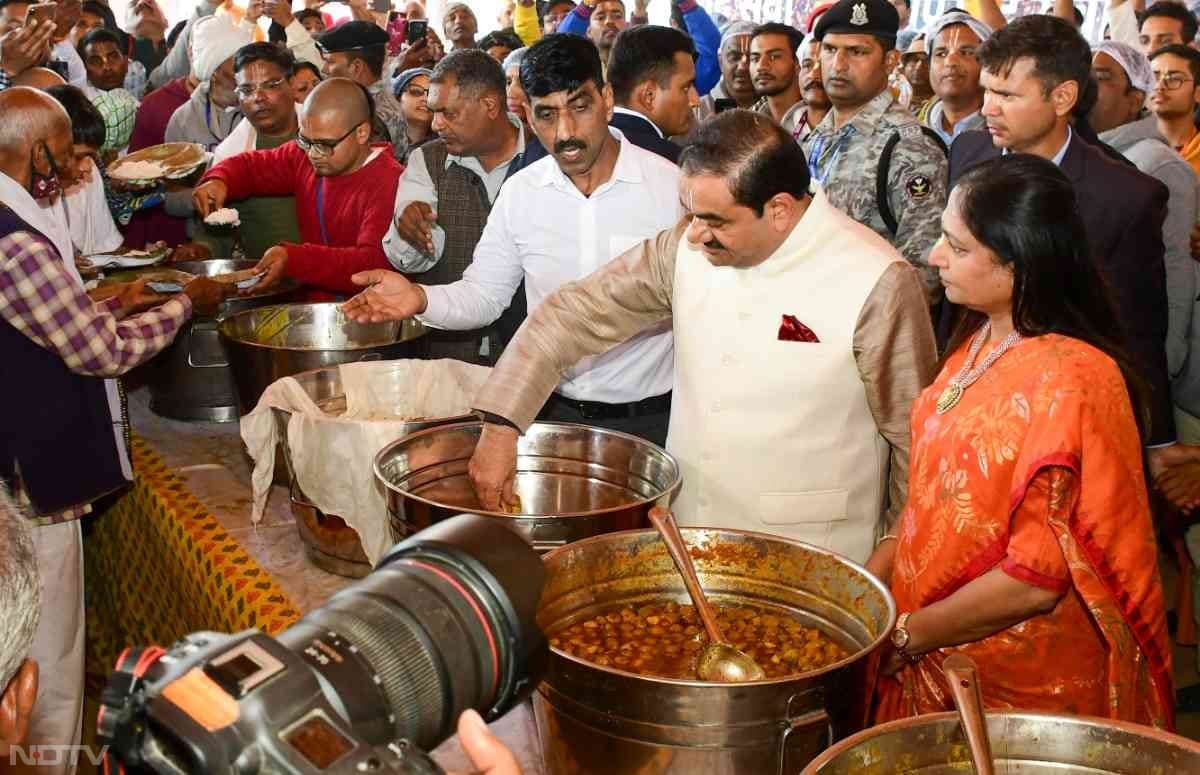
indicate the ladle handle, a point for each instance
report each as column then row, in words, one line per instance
column 963, row 678
column 664, row 522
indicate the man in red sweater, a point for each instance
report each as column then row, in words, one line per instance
column 344, row 188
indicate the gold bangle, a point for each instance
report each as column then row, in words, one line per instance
column 886, row 537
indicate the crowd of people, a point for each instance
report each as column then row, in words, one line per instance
column 924, row 297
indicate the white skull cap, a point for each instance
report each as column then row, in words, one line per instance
column 1133, row 62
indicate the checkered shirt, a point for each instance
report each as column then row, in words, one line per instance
column 43, row 300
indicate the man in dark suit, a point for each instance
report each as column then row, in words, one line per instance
column 1033, row 72
column 652, row 71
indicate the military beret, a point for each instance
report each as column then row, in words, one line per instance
column 861, row 17
column 352, row 35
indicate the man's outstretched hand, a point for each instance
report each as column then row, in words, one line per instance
column 389, row 296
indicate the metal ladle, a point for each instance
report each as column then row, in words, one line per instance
column 719, row 662
column 963, row 678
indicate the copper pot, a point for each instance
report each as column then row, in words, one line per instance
column 594, row 719
column 1024, row 742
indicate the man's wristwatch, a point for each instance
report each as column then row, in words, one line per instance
column 900, row 637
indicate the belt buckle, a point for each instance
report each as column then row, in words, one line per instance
column 588, row 411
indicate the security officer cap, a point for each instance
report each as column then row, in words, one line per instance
column 351, row 36
column 861, row 17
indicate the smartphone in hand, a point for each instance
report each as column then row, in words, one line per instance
column 42, row 13
column 416, row 30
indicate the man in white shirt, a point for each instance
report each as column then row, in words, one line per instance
column 480, row 145
column 554, row 223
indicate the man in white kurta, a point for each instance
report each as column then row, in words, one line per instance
column 804, row 439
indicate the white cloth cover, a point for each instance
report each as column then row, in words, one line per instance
column 333, row 456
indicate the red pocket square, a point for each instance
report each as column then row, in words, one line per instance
column 792, row 330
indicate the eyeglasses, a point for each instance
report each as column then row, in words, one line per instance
column 248, row 90
column 416, row 91
column 1171, row 81
column 323, row 148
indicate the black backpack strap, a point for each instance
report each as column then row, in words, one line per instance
column 881, row 184
column 884, row 170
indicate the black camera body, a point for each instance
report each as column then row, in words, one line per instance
column 366, row 683
column 282, row 719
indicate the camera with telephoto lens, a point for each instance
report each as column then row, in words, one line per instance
column 368, row 682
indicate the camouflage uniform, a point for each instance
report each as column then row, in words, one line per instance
column 917, row 180
column 390, row 125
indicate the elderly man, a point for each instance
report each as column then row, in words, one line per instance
column 870, row 156
column 19, row 610
column 451, row 183
column 61, row 415
column 344, row 187
column 210, row 113
column 460, row 25
column 736, row 88
column 758, row 274
column 954, row 74
column 559, row 219
column 356, row 50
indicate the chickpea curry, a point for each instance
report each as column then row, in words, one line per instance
column 664, row 640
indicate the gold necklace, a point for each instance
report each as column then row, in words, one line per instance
column 967, row 375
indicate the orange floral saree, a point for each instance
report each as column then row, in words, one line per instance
column 1037, row 471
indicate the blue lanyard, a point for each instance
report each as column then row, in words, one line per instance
column 818, row 150
column 321, row 211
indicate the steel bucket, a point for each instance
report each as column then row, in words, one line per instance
column 594, row 719
column 1024, row 742
column 269, row 343
column 574, row 481
column 329, row 542
column 190, row 380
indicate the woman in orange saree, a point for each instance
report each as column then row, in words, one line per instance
column 1026, row 542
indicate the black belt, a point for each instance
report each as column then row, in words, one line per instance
column 596, row 410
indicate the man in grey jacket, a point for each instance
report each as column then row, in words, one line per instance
column 1124, row 79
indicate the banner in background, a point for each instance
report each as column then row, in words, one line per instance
column 923, row 11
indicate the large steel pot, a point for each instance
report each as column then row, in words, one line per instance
column 574, row 481
column 594, row 719
column 190, row 380
column 329, row 542
column 269, row 343
column 1024, row 742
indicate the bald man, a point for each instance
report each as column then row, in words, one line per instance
column 40, row 78
column 61, row 415
column 344, row 187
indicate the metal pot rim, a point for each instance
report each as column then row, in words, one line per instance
column 833, row 752
column 862, row 653
column 224, row 321
column 380, row 477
